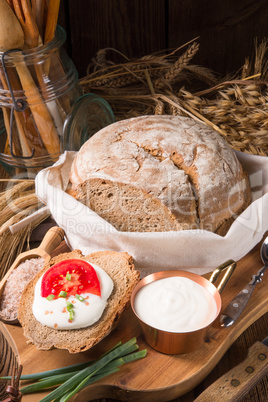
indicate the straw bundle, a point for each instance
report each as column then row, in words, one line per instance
column 15, row 204
column 168, row 83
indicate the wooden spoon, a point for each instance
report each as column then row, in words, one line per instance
column 11, row 33
column 42, row 117
column 11, row 37
column 7, row 43
column 52, row 18
column 51, row 240
column 24, row 13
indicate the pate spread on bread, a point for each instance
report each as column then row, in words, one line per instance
column 121, row 270
column 160, row 173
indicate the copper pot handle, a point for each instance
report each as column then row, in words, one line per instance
column 230, row 267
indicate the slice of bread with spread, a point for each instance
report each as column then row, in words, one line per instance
column 120, row 268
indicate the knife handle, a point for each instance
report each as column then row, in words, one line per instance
column 237, row 305
column 237, row 382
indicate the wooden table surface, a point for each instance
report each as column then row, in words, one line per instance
column 236, row 353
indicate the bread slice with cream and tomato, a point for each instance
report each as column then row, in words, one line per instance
column 76, row 300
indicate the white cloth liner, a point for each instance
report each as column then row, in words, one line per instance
column 192, row 250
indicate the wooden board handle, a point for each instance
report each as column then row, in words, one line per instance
column 237, row 382
column 52, row 239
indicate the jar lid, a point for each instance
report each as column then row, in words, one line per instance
column 89, row 114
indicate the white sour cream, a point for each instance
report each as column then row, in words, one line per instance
column 54, row 314
column 175, row 304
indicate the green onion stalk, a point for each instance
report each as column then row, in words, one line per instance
column 71, row 379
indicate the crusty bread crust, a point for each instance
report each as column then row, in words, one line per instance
column 119, row 267
column 189, row 168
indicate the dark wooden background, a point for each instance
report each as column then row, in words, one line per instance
column 227, row 28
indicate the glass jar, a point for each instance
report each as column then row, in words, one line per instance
column 44, row 110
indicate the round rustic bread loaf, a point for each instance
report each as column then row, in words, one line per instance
column 160, row 173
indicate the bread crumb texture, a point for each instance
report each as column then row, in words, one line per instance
column 160, row 173
column 120, row 267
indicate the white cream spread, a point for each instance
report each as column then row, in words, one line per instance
column 175, row 304
column 54, row 314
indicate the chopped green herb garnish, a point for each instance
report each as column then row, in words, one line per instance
column 69, row 306
column 71, row 315
column 70, row 310
column 50, row 297
column 80, row 298
column 63, row 294
column 68, row 276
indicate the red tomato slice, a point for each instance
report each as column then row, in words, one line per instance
column 71, row 276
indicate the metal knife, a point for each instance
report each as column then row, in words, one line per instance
column 237, row 305
column 237, row 382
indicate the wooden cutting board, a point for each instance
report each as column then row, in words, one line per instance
column 158, row 377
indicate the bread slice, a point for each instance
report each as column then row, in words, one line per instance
column 119, row 267
column 127, row 207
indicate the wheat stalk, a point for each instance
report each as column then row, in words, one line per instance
column 19, row 204
column 16, row 203
column 165, row 83
column 174, row 71
column 11, row 245
column 13, row 192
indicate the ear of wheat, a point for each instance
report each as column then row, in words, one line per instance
column 16, row 203
column 168, row 83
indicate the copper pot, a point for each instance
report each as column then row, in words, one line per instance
column 183, row 342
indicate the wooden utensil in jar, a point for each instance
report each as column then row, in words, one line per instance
column 11, row 33
column 42, row 117
column 52, row 18
column 50, row 242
